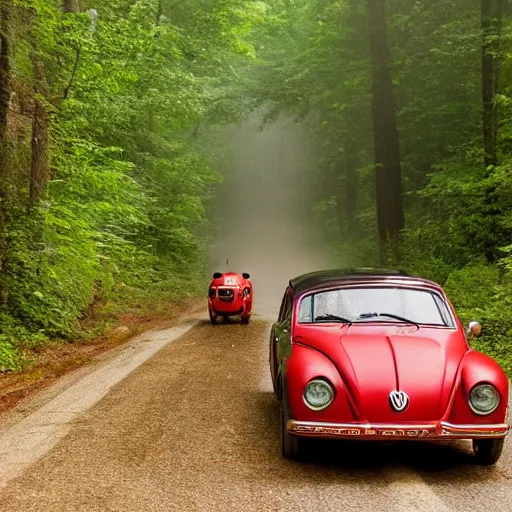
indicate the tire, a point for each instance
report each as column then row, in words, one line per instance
column 290, row 445
column 213, row 317
column 487, row 451
column 246, row 319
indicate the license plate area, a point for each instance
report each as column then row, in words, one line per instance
column 226, row 294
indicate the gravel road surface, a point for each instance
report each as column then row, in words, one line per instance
column 193, row 426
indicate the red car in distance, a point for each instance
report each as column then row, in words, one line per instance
column 230, row 294
column 380, row 355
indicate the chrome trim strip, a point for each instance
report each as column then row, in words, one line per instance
column 441, row 430
column 498, row 430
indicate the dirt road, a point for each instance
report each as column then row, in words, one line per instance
column 194, row 428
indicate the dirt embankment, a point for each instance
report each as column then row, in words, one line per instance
column 58, row 359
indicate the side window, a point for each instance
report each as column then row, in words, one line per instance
column 286, row 306
column 281, row 311
column 306, row 310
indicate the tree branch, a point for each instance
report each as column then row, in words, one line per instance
column 67, row 89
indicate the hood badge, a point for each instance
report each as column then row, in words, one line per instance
column 398, row 401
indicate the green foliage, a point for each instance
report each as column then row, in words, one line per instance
column 9, row 356
column 132, row 100
column 134, row 103
column 316, row 66
column 483, row 292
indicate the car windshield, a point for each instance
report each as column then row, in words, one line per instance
column 382, row 304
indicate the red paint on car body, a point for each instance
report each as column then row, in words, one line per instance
column 365, row 362
column 230, row 294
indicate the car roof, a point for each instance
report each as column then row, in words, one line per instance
column 324, row 278
column 233, row 276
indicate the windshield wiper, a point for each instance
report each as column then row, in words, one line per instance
column 332, row 318
column 389, row 315
column 367, row 315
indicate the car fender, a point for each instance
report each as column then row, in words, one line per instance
column 476, row 368
column 305, row 364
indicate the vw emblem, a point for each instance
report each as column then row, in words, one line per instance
column 398, row 401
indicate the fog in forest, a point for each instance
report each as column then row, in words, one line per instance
column 263, row 226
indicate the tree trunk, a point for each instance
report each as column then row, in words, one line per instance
column 351, row 197
column 347, row 195
column 5, row 98
column 491, row 21
column 70, row 6
column 40, row 163
column 5, row 69
column 388, row 173
column 73, row 6
column 491, row 32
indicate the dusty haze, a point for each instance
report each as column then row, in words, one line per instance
column 263, row 228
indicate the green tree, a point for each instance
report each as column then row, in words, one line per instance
column 388, row 173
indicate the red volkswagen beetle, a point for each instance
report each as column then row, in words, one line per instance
column 229, row 295
column 382, row 356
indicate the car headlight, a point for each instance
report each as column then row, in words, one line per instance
column 484, row 399
column 318, row 395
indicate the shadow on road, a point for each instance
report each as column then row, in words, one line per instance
column 451, row 462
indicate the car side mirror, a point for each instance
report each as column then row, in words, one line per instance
column 246, row 276
column 217, row 275
column 474, row 329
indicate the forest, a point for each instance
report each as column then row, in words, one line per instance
column 110, row 121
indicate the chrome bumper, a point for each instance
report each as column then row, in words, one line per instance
column 440, row 430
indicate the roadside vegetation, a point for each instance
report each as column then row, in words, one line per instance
column 104, row 177
column 108, row 120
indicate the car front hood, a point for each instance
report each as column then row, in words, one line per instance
column 375, row 362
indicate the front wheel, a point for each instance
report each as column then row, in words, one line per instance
column 290, row 444
column 213, row 317
column 246, row 319
column 488, row 451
